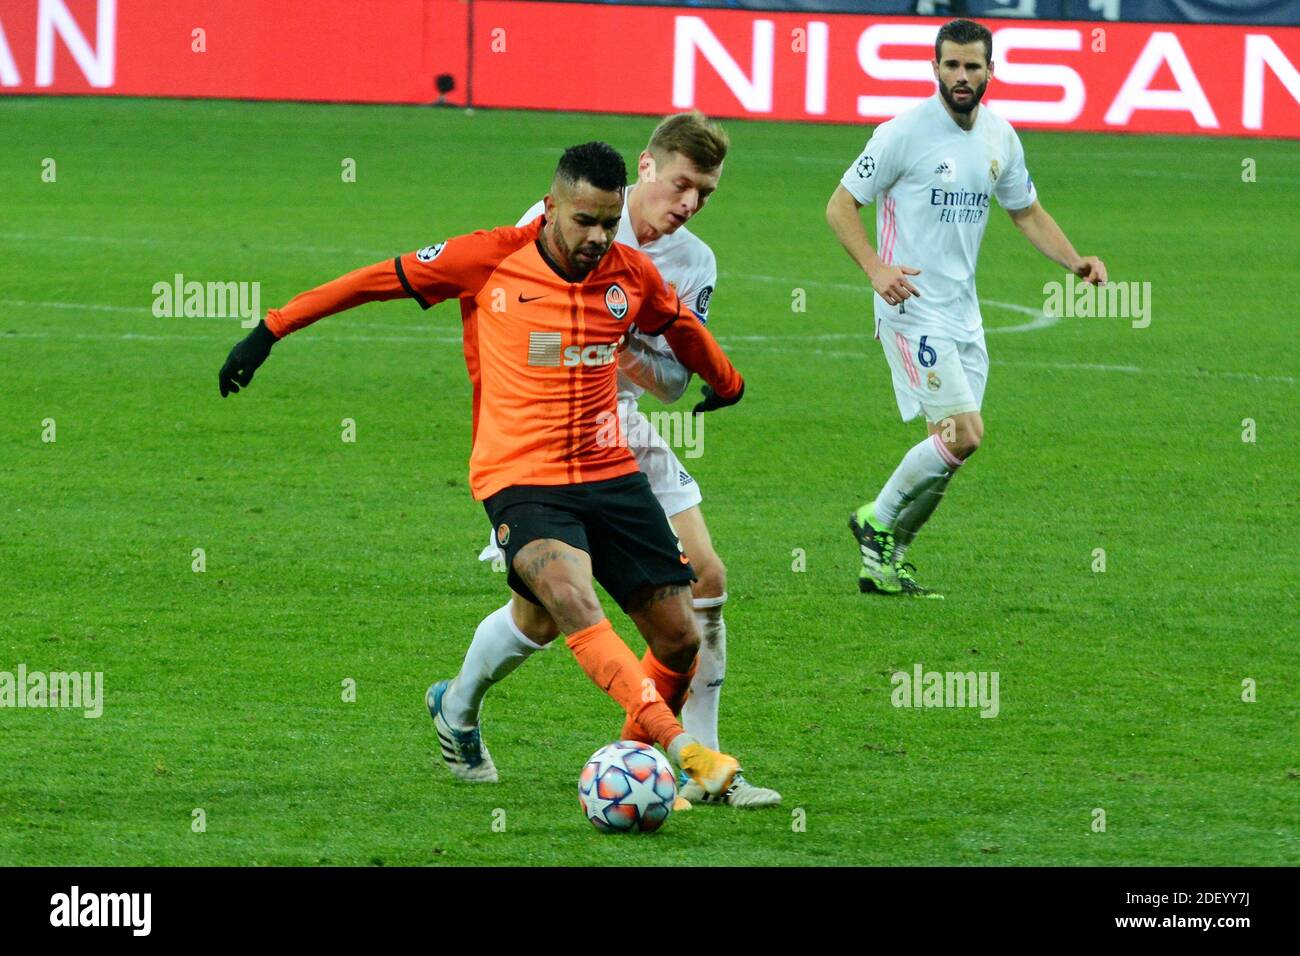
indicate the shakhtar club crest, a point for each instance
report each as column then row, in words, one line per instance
column 616, row 301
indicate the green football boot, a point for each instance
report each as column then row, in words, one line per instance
column 911, row 587
column 878, row 574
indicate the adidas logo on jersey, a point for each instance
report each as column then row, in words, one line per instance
column 684, row 479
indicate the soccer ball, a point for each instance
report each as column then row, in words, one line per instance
column 626, row 787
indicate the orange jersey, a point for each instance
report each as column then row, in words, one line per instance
column 541, row 350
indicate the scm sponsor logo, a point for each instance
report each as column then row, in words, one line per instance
column 594, row 355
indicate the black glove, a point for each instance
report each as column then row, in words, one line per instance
column 245, row 359
column 712, row 400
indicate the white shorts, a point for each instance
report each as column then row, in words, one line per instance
column 671, row 483
column 669, row 479
column 938, row 376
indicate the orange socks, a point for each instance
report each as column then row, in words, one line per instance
column 614, row 668
column 672, row 687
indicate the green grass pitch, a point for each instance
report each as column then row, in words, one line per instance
column 329, row 561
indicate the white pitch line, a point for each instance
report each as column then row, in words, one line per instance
column 1038, row 322
column 794, row 283
column 148, row 311
column 1135, row 370
column 1231, row 175
column 87, row 306
column 229, row 340
column 1082, row 367
column 752, row 340
column 1040, row 319
column 207, row 241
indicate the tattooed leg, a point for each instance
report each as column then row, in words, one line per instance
column 665, row 617
column 560, row 575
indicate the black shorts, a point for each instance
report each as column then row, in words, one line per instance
column 619, row 522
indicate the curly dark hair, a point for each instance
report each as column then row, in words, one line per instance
column 597, row 163
column 962, row 32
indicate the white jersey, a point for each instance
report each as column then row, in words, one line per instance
column 931, row 182
column 684, row 260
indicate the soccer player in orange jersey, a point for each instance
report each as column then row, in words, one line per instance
column 549, row 304
column 678, row 171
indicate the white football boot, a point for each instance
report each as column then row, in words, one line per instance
column 741, row 793
column 463, row 750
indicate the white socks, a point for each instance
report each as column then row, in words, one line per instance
column 497, row 649
column 700, row 711
column 915, row 489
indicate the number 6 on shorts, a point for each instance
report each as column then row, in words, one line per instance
column 925, row 354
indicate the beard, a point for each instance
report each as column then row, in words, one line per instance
column 977, row 94
column 578, row 267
